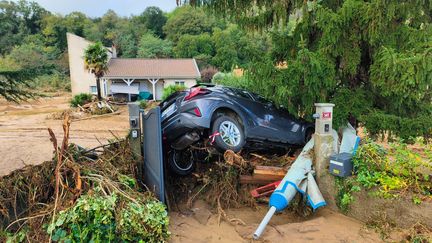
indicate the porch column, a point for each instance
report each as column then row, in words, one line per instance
column 129, row 82
column 153, row 82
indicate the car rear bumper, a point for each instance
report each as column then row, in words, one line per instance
column 180, row 124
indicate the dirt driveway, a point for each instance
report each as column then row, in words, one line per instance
column 24, row 137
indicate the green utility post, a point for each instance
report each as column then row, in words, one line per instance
column 323, row 149
column 135, row 135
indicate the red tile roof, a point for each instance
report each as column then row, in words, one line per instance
column 152, row 68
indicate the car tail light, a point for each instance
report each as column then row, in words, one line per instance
column 197, row 112
column 195, row 92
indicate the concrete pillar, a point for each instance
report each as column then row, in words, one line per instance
column 323, row 149
column 135, row 135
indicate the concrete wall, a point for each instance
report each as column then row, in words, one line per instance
column 81, row 79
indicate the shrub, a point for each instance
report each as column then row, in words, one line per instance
column 171, row 89
column 229, row 79
column 107, row 218
column 80, row 99
column 143, row 104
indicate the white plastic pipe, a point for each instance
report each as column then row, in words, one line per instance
column 264, row 223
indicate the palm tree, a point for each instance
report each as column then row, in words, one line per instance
column 96, row 62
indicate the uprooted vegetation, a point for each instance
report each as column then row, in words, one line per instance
column 397, row 171
column 80, row 197
column 219, row 182
column 86, row 111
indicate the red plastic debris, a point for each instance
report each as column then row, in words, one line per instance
column 265, row 190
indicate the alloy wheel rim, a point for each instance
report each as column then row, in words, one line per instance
column 230, row 133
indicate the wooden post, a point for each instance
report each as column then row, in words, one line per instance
column 135, row 136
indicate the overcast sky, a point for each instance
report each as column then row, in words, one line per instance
column 96, row 8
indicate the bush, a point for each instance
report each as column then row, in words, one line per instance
column 171, row 89
column 101, row 218
column 81, row 99
column 52, row 82
column 143, row 104
column 229, row 79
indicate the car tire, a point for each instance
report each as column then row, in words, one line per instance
column 181, row 162
column 223, row 141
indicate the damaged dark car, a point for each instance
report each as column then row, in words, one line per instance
column 225, row 118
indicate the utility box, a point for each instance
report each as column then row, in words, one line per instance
column 324, row 118
column 341, row 165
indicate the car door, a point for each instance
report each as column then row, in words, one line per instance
column 290, row 129
column 284, row 127
column 263, row 114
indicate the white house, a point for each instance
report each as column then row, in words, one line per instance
column 129, row 76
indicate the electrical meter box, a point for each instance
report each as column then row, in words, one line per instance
column 341, row 164
column 324, row 118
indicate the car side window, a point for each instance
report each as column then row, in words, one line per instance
column 260, row 99
column 242, row 93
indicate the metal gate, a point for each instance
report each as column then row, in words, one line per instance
column 152, row 152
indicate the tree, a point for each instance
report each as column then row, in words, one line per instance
column 200, row 47
column 153, row 19
column 127, row 45
column 376, row 52
column 150, row 46
column 96, row 62
column 18, row 20
column 187, row 20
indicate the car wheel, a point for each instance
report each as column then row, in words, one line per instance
column 231, row 135
column 181, row 162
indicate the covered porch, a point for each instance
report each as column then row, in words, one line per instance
column 140, row 87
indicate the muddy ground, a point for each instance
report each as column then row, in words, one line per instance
column 201, row 225
column 24, row 137
column 24, row 140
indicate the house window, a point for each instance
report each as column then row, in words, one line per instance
column 181, row 83
column 93, row 89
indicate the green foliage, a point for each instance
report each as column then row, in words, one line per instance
column 18, row 19
column 194, row 45
column 379, row 51
column 187, row 20
column 152, row 215
column 345, row 188
column 151, row 46
column 52, row 83
column 379, row 123
column 143, row 104
column 101, row 218
column 387, row 173
column 96, row 59
column 80, row 99
column 391, row 171
column 229, row 79
column 171, row 89
column 15, row 84
column 91, row 219
column 153, row 19
column 96, row 62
